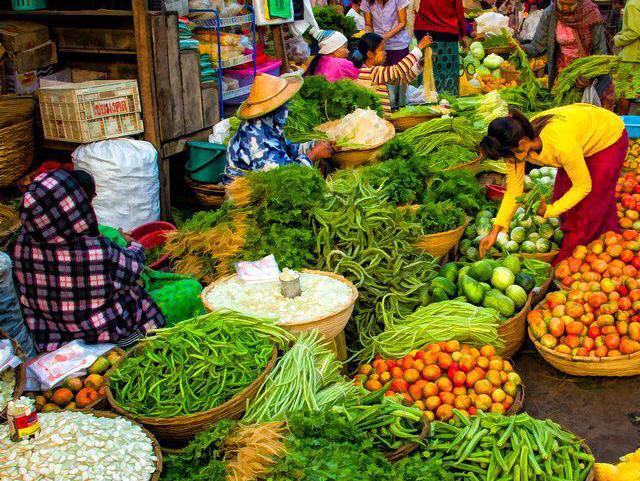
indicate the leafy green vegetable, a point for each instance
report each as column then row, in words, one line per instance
column 449, row 156
column 411, row 110
column 565, row 90
column 330, row 18
column 459, row 186
column 439, row 216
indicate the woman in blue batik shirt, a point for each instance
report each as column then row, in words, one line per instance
column 260, row 143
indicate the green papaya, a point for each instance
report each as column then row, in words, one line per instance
column 450, row 272
column 481, row 270
column 438, row 295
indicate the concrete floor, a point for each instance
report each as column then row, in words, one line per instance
column 603, row 411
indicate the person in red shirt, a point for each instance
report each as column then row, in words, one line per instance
column 444, row 21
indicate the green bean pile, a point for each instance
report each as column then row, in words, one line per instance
column 433, row 134
column 566, row 92
column 494, row 447
column 440, row 321
column 195, row 365
column 362, row 236
column 307, row 378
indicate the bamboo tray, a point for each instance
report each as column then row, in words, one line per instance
column 329, row 326
column 181, row 429
column 405, row 123
column 541, row 256
column 348, row 159
column 618, row 366
column 20, row 371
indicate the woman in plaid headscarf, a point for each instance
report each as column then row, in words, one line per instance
column 73, row 283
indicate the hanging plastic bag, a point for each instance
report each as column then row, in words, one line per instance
column 590, row 95
column 430, row 92
column 492, row 23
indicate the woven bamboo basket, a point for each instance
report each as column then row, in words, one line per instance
column 518, row 402
column 408, row 448
column 20, row 372
column 441, row 243
column 541, row 291
column 500, row 50
column 405, row 123
column 9, row 221
column 15, row 109
column 210, row 195
column 348, row 159
column 157, row 451
column 16, row 151
column 619, row 366
column 514, row 331
column 472, row 167
column 181, row 429
column 541, row 256
column 328, row 326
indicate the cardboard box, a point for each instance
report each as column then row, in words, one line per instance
column 19, row 35
column 28, row 82
column 34, row 58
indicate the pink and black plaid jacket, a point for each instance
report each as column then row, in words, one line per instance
column 72, row 282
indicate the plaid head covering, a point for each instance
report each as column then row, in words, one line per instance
column 71, row 282
column 582, row 20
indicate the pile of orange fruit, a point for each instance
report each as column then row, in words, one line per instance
column 628, row 201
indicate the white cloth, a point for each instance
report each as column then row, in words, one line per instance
column 360, row 23
column 328, row 40
column 309, row 20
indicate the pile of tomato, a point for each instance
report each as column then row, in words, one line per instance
column 598, row 312
column 446, row 376
column 628, row 201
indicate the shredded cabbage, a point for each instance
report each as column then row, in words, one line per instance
column 361, row 128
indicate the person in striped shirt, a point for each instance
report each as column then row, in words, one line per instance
column 370, row 58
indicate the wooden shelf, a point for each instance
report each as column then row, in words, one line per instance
column 70, row 13
column 96, row 51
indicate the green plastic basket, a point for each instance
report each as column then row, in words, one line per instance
column 206, row 162
column 28, row 5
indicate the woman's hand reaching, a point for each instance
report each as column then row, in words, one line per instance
column 425, row 42
column 487, row 242
column 320, row 150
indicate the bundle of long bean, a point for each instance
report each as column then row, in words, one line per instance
column 428, row 136
column 440, row 321
column 195, row 365
column 368, row 240
column 307, row 378
column 565, row 91
column 492, row 447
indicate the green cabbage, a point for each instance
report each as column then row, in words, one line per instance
column 492, row 61
column 477, row 50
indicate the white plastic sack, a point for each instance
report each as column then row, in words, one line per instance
column 127, row 184
column 220, row 132
column 71, row 360
column 590, row 96
column 415, row 95
column 492, row 23
column 530, row 25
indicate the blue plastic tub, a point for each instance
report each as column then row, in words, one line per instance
column 632, row 122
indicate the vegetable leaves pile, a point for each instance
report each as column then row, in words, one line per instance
column 330, row 18
column 439, row 216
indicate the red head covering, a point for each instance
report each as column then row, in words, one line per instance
column 582, row 19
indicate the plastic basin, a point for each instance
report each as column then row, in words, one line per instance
column 155, row 239
column 632, row 122
column 206, row 162
column 150, row 227
column 495, row 192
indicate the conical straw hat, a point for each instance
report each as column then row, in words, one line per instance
column 267, row 94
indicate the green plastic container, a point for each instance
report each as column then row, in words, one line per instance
column 206, row 162
column 28, row 5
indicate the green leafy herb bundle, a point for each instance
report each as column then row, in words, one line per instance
column 438, row 217
column 449, row 156
column 325, row 446
column 330, row 18
column 458, row 186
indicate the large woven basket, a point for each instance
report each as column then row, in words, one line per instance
column 329, row 326
column 501, row 50
column 514, row 331
column 156, row 446
column 541, row 291
column 541, row 256
column 210, row 195
column 20, row 372
column 9, row 221
column 179, row 430
column 16, row 151
column 619, row 366
column 405, row 123
column 441, row 243
column 518, row 402
column 348, row 159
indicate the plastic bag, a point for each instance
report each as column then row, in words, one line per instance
column 530, row 25
column 220, row 132
column 127, row 183
column 492, row 23
column 8, row 358
column 72, row 359
column 415, row 95
column 428, row 80
column 297, row 49
column 590, row 95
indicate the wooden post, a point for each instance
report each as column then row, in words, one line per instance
column 144, row 49
column 281, row 52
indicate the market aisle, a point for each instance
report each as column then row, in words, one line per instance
column 598, row 409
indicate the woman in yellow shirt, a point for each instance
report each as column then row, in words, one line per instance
column 587, row 144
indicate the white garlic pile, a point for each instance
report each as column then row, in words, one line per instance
column 75, row 446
